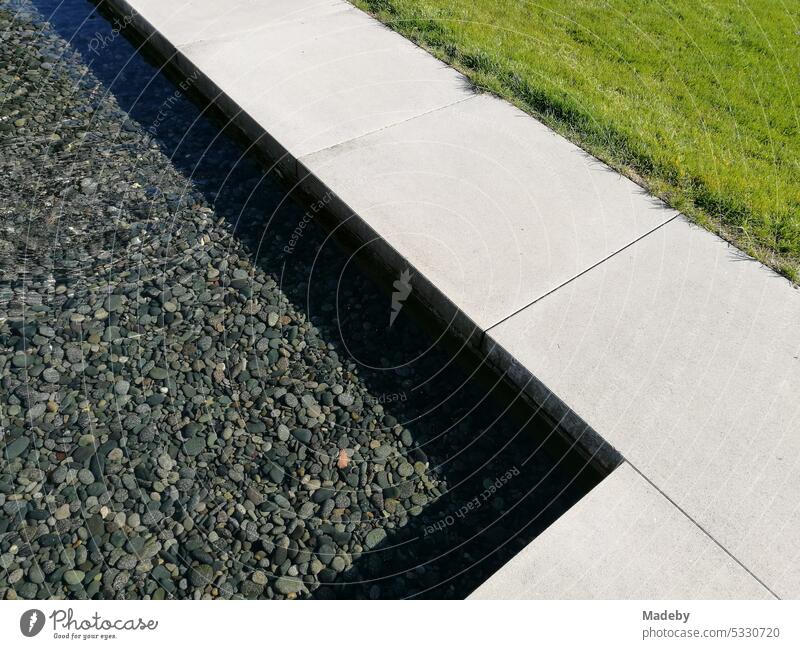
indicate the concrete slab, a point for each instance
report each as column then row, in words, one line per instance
column 623, row 540
column 491, row 206
column 185, row 21
column 685, row 356
column 324, row 79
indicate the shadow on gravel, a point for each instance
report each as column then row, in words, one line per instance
column 509, row 474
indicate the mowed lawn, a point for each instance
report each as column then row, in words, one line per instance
column 697, row 100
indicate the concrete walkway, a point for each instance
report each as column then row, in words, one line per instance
column 624, row 540
column 635, row 329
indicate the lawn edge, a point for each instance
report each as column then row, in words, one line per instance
column 672, row 194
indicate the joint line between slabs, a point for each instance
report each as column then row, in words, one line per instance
column 583, row 272
column 703, row 530
column 387, row 127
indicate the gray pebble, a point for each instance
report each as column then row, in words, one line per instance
column 288, row 585
column 74, row 577
column 374, row 537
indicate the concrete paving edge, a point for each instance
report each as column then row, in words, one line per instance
column 579, row 432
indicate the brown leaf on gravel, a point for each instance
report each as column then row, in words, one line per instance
column 343, row 460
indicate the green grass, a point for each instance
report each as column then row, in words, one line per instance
column 697, row 101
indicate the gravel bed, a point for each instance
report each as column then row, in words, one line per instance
column 170, row 424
